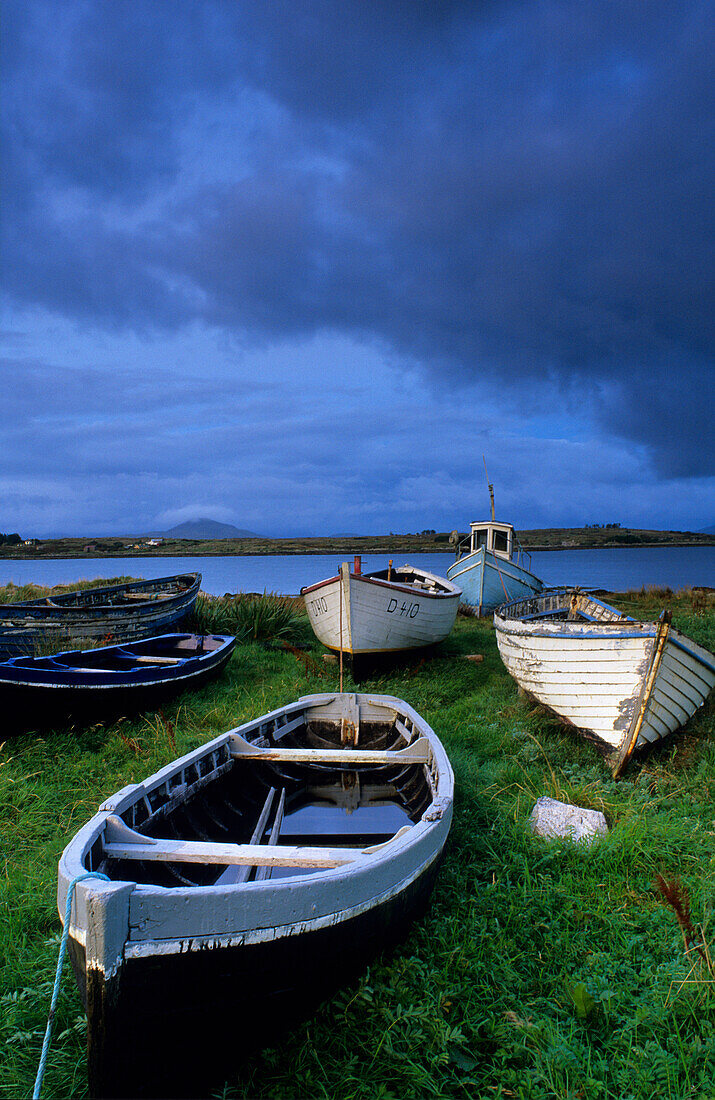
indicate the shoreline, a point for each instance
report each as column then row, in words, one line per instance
column 196, row 552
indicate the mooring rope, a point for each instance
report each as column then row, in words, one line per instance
column 58, row 978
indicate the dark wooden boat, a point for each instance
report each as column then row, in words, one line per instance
column 117, row 613
column 249, row 880
column 117, row 677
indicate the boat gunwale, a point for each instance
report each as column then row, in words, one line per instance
column 536, row 627
column 439, row 775
column 64, row 601
column 468, row 561
column 396, row 585
column 13, row 662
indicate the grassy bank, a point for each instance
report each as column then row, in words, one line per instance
column 557, row 538
column 540, row 970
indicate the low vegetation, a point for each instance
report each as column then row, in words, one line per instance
column 252, row 618
column 556, row 538
column 17, row 593
column 540, row 971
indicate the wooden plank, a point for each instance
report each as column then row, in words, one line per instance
column 252, row 855
column 159, row 660
column 265, row 871
column 121, row 842
column 240, row 874
column 418, row 753
column 294, row 724
column 402, row 728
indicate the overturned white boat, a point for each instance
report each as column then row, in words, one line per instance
column 246, row 882
column 384, row 611
column 625, row 682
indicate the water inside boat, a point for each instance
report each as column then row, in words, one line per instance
column 223, row 798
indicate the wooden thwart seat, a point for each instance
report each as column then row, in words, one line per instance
column 121, row 842
column 420, row 752
column 159, row 660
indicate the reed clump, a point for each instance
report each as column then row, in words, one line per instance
column 251, row 617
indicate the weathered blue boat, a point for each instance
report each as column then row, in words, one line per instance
column 116, row 613
column 247, row 881
column 491, row 567
column 117, row 677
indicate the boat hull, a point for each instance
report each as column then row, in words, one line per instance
column 191, row 976
column 362, row 615
column 222, row 1002
column 117, row 613
column 627, row 683
column 488, row 581
column 109, row 679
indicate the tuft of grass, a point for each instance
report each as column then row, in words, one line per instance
column 540, row 970
column 251, row 618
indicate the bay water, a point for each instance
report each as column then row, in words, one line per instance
column 615, row 570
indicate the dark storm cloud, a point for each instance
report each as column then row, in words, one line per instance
column 514, row 191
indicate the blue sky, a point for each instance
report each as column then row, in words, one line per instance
column 298, row 265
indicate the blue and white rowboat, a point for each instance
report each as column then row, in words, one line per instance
column 245, row 882
column 117, row 613
column 126, row 677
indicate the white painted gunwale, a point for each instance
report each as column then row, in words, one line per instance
column 179, row 918
column 592, row 673
column 362, row 624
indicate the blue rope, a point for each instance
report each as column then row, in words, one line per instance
column 58, row 976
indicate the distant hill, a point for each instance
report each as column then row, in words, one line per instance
column 707, row 530
column 205, row 529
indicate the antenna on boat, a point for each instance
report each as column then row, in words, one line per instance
column 491, row 487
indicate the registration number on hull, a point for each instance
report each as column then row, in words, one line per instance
column 408, row 610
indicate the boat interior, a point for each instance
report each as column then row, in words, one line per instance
column 169, row 649
column 404, row 574
column 292, row 795
column 563, row 605
column 141, row 591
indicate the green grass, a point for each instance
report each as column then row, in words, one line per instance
column 17, row 593
column 541, row 970
column 555, row 538
column 252, row 618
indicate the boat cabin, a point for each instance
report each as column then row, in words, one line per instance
column 495, row 537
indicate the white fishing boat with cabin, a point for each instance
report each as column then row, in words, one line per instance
column 626, row 683
column 384, row 611
column 492, row 568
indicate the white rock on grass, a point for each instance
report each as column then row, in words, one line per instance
column 550, row 818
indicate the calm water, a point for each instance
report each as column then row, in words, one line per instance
column 616, row 570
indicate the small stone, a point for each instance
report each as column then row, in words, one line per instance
column 330, row 658
column 476, row 657
column 550, row 818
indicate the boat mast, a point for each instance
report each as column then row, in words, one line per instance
column 491, row 487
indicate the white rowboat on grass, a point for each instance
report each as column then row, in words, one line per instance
column 625, row 682
column 385, row 611
column 248, row 880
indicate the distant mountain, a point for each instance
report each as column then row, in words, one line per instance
column 205, row 529
column 707, row 530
